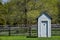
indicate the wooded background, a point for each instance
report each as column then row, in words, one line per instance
column 16, row 12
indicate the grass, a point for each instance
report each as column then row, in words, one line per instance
column 24, row 38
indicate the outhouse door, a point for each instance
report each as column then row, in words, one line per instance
column 44, row 28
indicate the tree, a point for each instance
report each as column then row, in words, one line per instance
column 58, row 16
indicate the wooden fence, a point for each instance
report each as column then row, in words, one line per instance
column 25, row 31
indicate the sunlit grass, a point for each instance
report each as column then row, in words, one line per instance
column 25, row 38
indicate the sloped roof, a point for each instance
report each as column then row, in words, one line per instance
column 45, row 15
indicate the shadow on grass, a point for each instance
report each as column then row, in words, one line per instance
column 32, row 37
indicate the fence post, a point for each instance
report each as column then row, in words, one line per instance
column 9, row 30
column 29, row 31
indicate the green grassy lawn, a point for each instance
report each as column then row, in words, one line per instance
column 24, row 38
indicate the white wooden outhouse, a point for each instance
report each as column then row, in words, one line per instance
column 44, row 25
